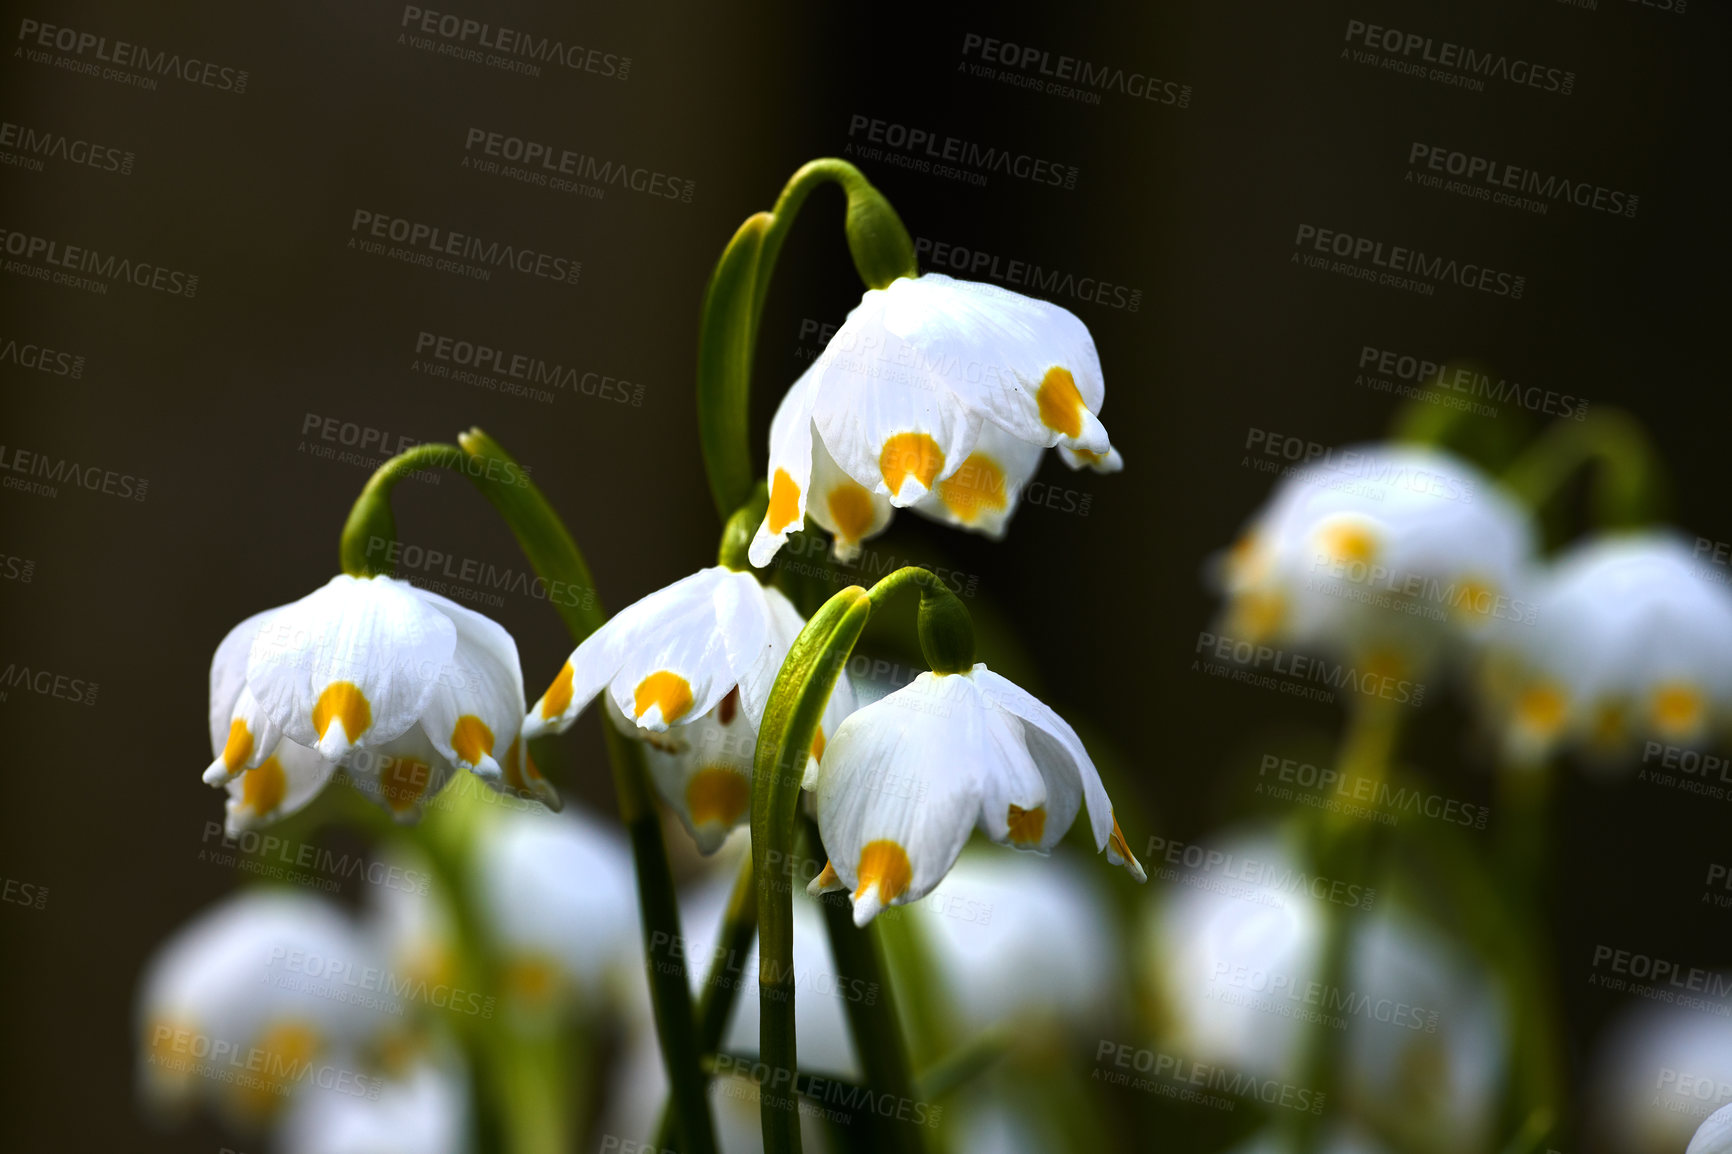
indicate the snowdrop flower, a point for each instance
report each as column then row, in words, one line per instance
column 557, row 898
column 937, row 394
column 243, row 1004
column 424, row 1110
column 688, row 670
column 1379, row 551
column 1631, row 641
column 1715, row 1135
column 397, row 685
column 906, row 778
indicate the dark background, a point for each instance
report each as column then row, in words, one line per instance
column 1194, row 207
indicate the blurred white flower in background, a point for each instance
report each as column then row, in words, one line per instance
column 1715, row 1135
column 1236, row 967
column 938, row 394
column 423, row 1110
column 558, row 900
column 1659, row 1072
column 688, row 670
column 398, row 685
column 1631, row 642
column 261, row 997
column 1384, row 553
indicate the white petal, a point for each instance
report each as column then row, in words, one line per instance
column 694, row 652
column 707, row 780
column 361, row 654
column 282, row 784
column 249, row 739
column 790, row 470
column 228, row 674
column 783, row 625
column 851, row 512
column 1009, row 779
column 402, row 775
column 900, row 791
column 1108, row 462
column 477, row 706
column 984, row 492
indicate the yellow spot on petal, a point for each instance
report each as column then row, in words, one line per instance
column 1258, row 614
column 1610, row 724
column 1540, row 709
column 884, row 864
column 976, row 488
column 1061, row 406
column 907, row 455
column 1678, row 709
column 532, row 978
column 1026, row 825
column 558, row 695
column 471, row 738
column 827, row 879
column 344, row 702
column 263, row 787
column 668, row 690
column 239, row 746
column 850, row 511
column 784, row 507
column 1347, row 541
column 402, row 782
column 718, row 796
column 280, row 1060
column 1475, row 598
column 1119, row 848
column 818, row 744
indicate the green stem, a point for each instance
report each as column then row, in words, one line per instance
column 370, row 531
column 1627, row 486
column 733, row 309
column 555, row 557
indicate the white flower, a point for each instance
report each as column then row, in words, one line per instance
column 244, row 1004
column 393, row 683
column 557, row 897
column 424, row 1110
column 1631, row 640
column 1660, row 1071
column 1381, row 550
column 688, row 670
column 905, row 779
column 937, row 394
column 1715, row 1135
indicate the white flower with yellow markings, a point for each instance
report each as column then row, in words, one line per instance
column 688, row 670
column 906, row 778
column 399, row 686
column 1631, row 641
column 936, row 394
column 1380, row 551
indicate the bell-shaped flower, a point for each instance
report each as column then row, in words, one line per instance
column 1631, row 641
column 397, row 685
column 1379, row 551
column 424, row 1109
column 556, row 898
column 938, row 394
column 906, row 778
column 688, row 670
column 250, row 1003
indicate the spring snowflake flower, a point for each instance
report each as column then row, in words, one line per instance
column 906, row 778
column 1381, row 551
column 1632, row 640
column 935, row 394
column 397, row 685
column 688, row 670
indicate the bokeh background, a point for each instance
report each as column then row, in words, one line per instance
column 221, row 401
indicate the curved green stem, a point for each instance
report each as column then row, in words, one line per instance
column 734, row 305
column 1627, row 486
column 555, row 557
